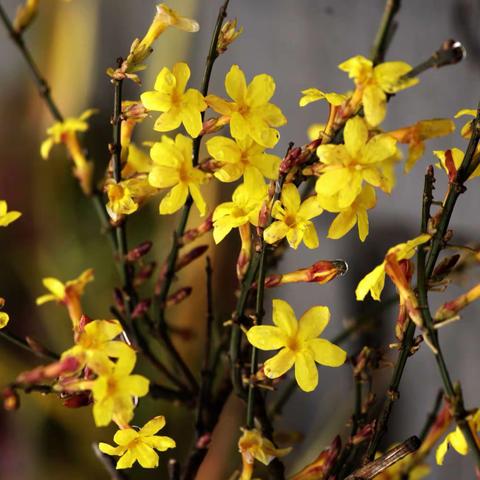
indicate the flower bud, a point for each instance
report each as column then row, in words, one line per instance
column 320, row 272
column 141, row 308
column 228, row 34
column 139, row 251
column 11, row 399
column 196, row 232
column 77, row 400
column 178, row 297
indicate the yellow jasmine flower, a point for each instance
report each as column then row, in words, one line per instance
column 253, row 446
column 139, row 446
column 299, row 343
column 178, row 106
column 4, row 317
column 95, row 344
column 314, row 95
column 114, row 391
column 250, row 112
column 457, row 440
column 247, row 200
column 347, row 166
column 374, row 83
column 67, row 293
column 466, row 131
column 7, row 217
column 415, row 135
column 125, row 197
column 293, row 219
column 457, row 157
column 66, row 132
column 172, row 167
column 375, row 280
column 238, row 155
column 347, row 217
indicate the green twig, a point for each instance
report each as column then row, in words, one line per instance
column 385, row 31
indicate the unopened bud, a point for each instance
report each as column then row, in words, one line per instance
column 178, row 297
column 118, row 299
column 133, row 111
column 196, row 232
column 141, row 308
column 11, row 399
column 36, row 346
column 321, row 272
column 445, row 267
column 365, row 433
column 49, row 372
column 144, row 273
column 228, row 34
column 204, row 441
column 452, row 308
column 214, row 124
column 291, row 159
column 139, row 251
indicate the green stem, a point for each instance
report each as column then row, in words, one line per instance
column 385, row 31
column 20, row 342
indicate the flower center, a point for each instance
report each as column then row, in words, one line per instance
column 293, row 344
column 290, row 220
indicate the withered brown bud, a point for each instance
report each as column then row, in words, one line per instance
column 141, row 308
column 78, row 400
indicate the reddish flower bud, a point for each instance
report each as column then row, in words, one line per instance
column 78, row 400
column 139, row 251
column 178, row 297
column 141, row 308
column 196, row 232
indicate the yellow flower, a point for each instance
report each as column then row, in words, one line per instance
column 347, row 166
column 4, row 317
column 457, row 440
column 113, row 392
column 466, row 131
column 172, row 167
column 238, row 155
column 375, row 280
column 178, row 106
column 140, row 49
column 314, row 95
column 139, row 446
column 293, row 219
column 95, row 344
column 457, row 157
column 247, row 200
column 66, row 132
column 253, row 446
column 298, row 342
column 68, row 294
column 415, row 135
column 250, row 112
column 125, row 197
column 6, row 217
column 373, row 84
column 347, row 217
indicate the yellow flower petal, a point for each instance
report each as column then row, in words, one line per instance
column 153, row 426
column 174, row 200
column 306, row 373
column 313, row 322
column 284, row 317
column 355, row 135
column 373, row 283
column 275, row 232
column 266, row 337
column 374, row 104
column 279, row 364
column 342, row 224
column 235, row 84
column 260, row 90
column 326, row 353
column 4, row 318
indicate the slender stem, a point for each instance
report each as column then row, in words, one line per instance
column 432, row 416
column 20, row 342
column 385, row 31
column 108, row 463
column 160, row 299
